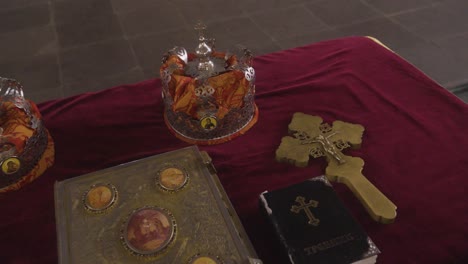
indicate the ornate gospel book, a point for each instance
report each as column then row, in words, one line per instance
column 313, row 225
column 168, row 208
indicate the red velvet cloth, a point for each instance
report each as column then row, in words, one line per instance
column 414, row 147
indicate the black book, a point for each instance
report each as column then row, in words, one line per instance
column 314, row 226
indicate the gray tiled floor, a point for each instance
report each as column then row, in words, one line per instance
column 58, row 48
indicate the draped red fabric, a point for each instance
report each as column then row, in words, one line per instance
column 414, row 147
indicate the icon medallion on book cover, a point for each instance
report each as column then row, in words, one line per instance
column 205, row 259
column 100, row 198
column 172, row 178
column 148, row 231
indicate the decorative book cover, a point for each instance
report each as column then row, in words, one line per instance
column 314, row 226
column 168, row 208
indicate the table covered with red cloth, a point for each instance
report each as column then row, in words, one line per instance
column 415, row 148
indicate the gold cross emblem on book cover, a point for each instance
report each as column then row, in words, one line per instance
column 310, row 137
column 306, row 207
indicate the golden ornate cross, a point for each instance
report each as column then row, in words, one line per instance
column 311, row 137
column 305, row 206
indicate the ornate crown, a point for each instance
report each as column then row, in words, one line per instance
column 26, row 147
column 208, row 95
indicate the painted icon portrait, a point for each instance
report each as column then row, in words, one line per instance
column 204, row 260
column 100, row 197
column 149, row 230
column 11, row 165
column 209, row 123
column 172, row 178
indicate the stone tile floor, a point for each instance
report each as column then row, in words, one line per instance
column 58, row 48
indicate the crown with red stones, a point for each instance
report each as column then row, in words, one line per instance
column 208, row 95
column 26, row 147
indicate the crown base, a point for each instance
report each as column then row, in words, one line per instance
column 37, row 161
column 217, row 135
